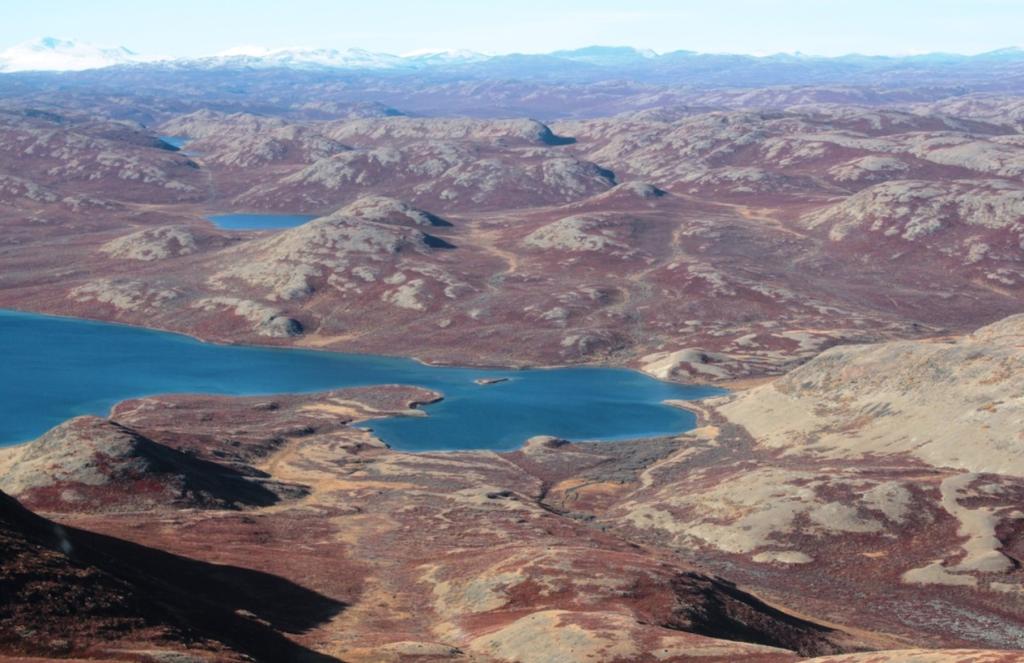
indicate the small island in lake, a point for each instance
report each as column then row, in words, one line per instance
column 487, row 381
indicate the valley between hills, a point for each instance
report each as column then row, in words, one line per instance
column 847, row 260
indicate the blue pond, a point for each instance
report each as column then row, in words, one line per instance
column 55, row 368
column 259, row 221
column 175, row 141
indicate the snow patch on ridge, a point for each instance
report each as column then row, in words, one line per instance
column 51, row 54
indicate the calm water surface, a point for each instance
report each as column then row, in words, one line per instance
column 259, row 221
column 55, row 368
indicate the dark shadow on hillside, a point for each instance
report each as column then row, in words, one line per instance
column 437, row 221
column 206, row 481
column 549, row 137
column 249, row 611
column 717, row 608
column 436, row 242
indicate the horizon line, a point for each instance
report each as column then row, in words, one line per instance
column 268, row 50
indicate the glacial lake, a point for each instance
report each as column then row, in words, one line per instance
column 259, row 221
column 55, row 368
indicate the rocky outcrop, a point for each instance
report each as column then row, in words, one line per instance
column 244, row 140
column 265, row 320
column 407, row 129
column 297, row 262
column 918, row 398
column 152, row 244
column 583, row 233
column 915, row 210
column 690, row 363
column 89, row 464
column 869, row 169
column 82, row 158
column 124, row 294
column 440, row 174
column 382, row 209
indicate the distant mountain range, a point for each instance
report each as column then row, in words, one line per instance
column 51, row 54
column 1004, row 68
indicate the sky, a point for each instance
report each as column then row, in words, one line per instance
column 183, row 28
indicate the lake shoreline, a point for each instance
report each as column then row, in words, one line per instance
column 731, row 385
column 91, row 365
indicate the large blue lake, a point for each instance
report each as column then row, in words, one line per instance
column 54, row 368
column 259, row 221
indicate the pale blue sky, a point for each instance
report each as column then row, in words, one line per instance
column 826, row 27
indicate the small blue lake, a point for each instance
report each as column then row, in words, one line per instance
column 56, row 368
column 259, row 221
column 175, row 141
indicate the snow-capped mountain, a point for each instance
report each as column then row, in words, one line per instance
column 607, row 55
column 429, row 56
column 50, row 54
column 332, row 58
column 303, row 58
column 590, row 62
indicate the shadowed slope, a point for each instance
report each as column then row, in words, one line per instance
column 64, row 590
